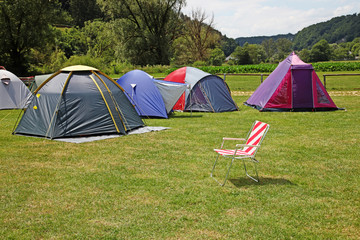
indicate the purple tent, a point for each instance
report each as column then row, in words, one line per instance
column 292, row 86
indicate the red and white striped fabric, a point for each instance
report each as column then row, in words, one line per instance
column 254, row 138
column 231, row 152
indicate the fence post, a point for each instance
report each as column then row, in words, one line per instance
column 224, row 76
column 325, row 81
column 261, row 78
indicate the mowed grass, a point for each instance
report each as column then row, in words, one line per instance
column 158, row 186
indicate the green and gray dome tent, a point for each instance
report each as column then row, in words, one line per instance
column 78, row 101
column 38, row 80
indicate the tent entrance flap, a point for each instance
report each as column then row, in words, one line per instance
column 197, row 100
column 302, row 82
column 111, row 105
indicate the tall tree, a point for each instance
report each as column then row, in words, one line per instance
column 200, row 35
column 149, row 27
column 24, row 25
column 283, row 48
column 269, row 48
column 228, row 45
column 305, row 55
column 241, row 55
column 321, row 51
column 82, row 11
column 256, row 52
column 217, row 57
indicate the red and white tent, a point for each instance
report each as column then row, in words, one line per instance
column 206, row 92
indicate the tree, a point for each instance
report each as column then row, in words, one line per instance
column 269, row 48
column 355, row 50
column 200, row 35
column 82, row 11
column 283, row 48
column 256, row 52
column 99, row 39
column 25, row 24
column 217, row 57
column 181, row 52
column 321, row 51
column 305, row 55
column 339, row 52
column 148, row 27
column 241, row 55
column 71, row 41
column 228, row 45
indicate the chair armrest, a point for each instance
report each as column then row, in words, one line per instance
column 237, row 139
column 246, row 145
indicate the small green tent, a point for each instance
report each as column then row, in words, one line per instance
column 78, row 101
column 38, row 80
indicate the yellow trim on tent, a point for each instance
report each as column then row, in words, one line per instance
column 112, row 117
column 57, row 105
column 117, row 107
column 112, row 80
column 46, row 81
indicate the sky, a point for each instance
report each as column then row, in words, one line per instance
column 248, row 18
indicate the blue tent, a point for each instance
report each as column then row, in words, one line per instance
column 143, row 93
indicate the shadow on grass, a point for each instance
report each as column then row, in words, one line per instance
column 240, row 182
column 185, row 116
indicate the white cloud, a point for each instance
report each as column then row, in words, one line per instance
column 243, row 18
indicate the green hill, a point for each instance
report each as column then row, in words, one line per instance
column 259, row 39
column 336, row 30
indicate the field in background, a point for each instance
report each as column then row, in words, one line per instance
column 250, row 83
column 157, row 185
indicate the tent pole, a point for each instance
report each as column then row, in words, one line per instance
column 57, row 105
column 189, row 87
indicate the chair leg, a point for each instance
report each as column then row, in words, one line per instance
column 256, row 179
column 227, row 174
column 212, row 171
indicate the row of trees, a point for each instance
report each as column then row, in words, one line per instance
column 275, row 51
column 45, row 35
column 140, row 32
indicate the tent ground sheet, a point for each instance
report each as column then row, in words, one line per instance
column 102, row 137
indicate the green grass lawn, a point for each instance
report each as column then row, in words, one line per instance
column 158, row 186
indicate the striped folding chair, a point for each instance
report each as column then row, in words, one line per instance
column 243, row 151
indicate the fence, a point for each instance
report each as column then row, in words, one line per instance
column 244, row 74
column 262, row 75
column 340, row 74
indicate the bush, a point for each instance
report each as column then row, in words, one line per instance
column 90, row 61
column 155, row 69
column 336, row 66
column 121, row 67
column 199, row 64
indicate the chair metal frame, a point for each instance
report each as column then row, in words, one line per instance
column 238, row 153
